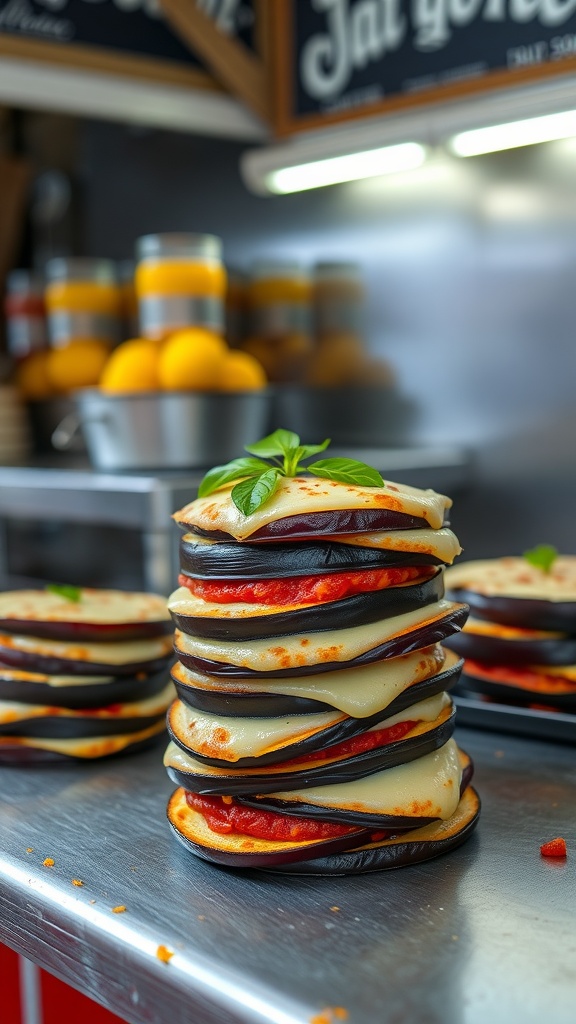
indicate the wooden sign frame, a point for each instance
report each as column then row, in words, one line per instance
column 287, row 121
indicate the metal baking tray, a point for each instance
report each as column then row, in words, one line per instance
column 522, row 721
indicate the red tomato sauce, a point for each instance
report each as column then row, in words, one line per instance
column 303, row 589
column 226, row 817
column 357, row 744
column 522, row 677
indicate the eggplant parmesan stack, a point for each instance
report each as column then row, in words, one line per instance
column 520, row 640
column 312, row 732
column 83, row 673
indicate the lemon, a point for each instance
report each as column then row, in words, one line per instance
column 192, row 360
column 133, row 366
column 32, row 378
column 242, row 372
column 79, row 365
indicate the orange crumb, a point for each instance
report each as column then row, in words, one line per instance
column 119, row 910
column 77, row 881
column 29, row 849
column 329, row 1015
column 48, row 862
column 334, row 908
column 164, row 954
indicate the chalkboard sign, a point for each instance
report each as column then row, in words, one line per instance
column 115, row 35
column 341, row 59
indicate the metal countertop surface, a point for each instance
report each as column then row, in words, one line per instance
column 485, row 933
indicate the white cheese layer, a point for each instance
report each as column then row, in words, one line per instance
column 428, row 711
column 359, row 692
column 481, row 627
column 93, row 747
column 306, row 495
column 98, row 607
column 515, row 577
column 442, row 543
column 15, row 711
column 428, row 787
column 326, row 647
column 19, row 675
column 122, row 653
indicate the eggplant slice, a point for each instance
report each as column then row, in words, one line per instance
column 228, row 622
column 325, row 524
column 209, row 560
column 67, row 658
column 77, row 692
column 436, row 628
column 422, row 739
column 222, row 698
column 540, row 650
column 24, row 750
column 413, row 847
column 508, row 693
column 525, row 613
column 99, row 616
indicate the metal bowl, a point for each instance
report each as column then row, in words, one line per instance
column 166, row 430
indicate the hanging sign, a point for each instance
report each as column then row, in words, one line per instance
column 341, row 59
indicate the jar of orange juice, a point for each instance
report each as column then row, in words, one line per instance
column 279, row 297
column 180, row 282
column 83, row 301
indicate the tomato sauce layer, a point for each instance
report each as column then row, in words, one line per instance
column 523, row 678
column 303, row 589
column 224, row 816
column 357, row 744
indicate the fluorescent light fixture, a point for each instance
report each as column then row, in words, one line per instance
column 515, row 134
column 369, row 163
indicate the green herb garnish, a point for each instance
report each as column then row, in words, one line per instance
column 281, row 454
column 541, row 557
column 65, row 590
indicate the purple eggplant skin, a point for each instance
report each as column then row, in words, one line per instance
column 246, row 859
column 386, row 856
column 120, row 691
column 358, row 610
column 498, row 651
column 323, row 524
column 525, row 613
column 232, row 704
column 518, row 695
column 234, row 561
column 87, row 632
column 53, row 666
column 345, row 815
column 58, row 728
column 405, row 643
column 347, row 770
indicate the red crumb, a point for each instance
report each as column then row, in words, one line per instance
column 555, row 848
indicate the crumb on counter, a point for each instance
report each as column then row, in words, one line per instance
column 334, row 908
column 201, row 917
column 329, row 1015
column 555, row 848
column 48, row 862
column 164, row 954
column 119, row 909
column 29, row 849
column 77, row 881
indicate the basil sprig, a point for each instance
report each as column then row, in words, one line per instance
column 281, row 454
column 65, row 590
column 541, row 557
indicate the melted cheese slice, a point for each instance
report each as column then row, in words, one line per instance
column 481, row 627
column 432, row 710
column 326, row 647
column 122, row 653
column 428, row 787
column 515, row 577
column 15, row 675
column 359, row 692
column 304, row 495
column 440, row 543
column 562, row 671
column 14, row 711
column 93, row 747
column 98, row 607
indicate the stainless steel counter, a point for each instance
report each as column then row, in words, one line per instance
column 486, row 933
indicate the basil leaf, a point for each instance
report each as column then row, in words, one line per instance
column 281, row 442
column 234, row 470
column 65, row 590
column 347, row 471
column 307, row 450
column 250, row 494
column 541, row 557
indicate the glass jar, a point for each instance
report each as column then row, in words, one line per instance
column 279, row 297
column 180, row 282
column 83, row 301
column 25, row 313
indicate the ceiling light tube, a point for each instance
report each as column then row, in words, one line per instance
column 333, row 170
column 529, row 132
